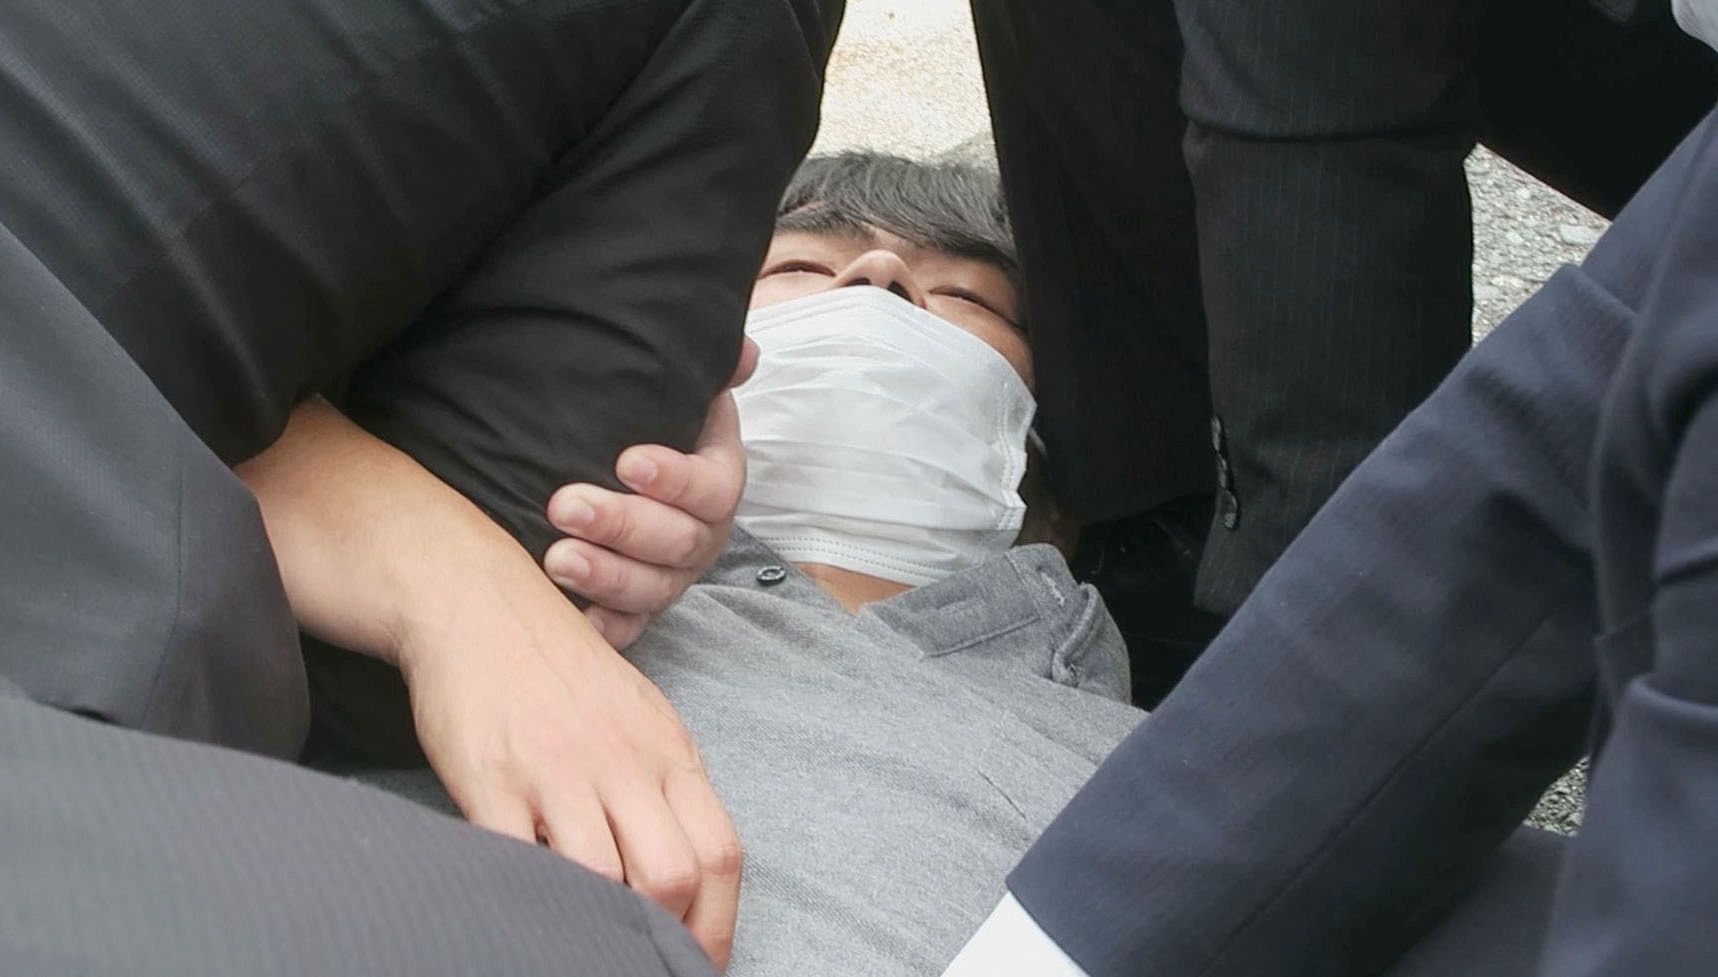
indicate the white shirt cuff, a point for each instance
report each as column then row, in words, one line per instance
column 1011, row 943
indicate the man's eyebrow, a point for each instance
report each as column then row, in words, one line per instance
column 846, row 231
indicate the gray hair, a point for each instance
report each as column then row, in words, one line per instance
column 951, row 207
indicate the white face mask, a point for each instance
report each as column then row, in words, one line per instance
column 1698, row 17
column 880, row 438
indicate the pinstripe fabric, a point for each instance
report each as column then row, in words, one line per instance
column 1083, row 103
column 1323, row 143
column 1322, row 337
column 1325, row 149
column 127, row 854
column 1335, row 229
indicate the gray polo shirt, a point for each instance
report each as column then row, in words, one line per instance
column 885, row 770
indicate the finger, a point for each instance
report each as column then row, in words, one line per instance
column 612, row 580
column 632, row 525
column 657, row 857
column 707, row 483
column 575, row 825
column 716, row 846
column 504, row 813
column 748, row 363
column 618, row 628
column 721, row 428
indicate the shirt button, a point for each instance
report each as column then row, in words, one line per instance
column 771, row 575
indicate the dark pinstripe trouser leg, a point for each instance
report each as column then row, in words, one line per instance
column 123, row 853
column 1321, row 336
column 1326, row 151
column 1332, row 222
column 1088, row 134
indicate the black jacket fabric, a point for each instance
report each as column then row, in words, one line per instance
column 520, row 232
column 1245, row 232
column 533, row 222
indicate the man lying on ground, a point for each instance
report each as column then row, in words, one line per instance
column 890, row 697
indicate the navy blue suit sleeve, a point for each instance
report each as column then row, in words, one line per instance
column 1640, row 887
column 1638, row 894
column 1384, row 709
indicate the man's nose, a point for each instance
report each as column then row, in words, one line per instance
column 882, row 269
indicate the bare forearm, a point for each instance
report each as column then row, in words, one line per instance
column 537, row 728
column 370, row 544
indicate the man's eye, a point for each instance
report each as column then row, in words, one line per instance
column 798, row 267
column 975, row 299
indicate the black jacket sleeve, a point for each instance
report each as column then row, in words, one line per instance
column 610, row 312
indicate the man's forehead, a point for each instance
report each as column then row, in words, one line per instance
column 865, row 238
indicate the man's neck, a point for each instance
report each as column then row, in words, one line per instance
column 854, row 590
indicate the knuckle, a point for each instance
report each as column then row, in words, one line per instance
column 596, row 504
column 687, row 545
column 596, row 524
column 724, row 858
column 719, row 944
column 631, row 629
column 731, row 486
column 674, row 883
column 665, row 589
column 608, row 577
column 549, row 745
column 609, row 868
column 498, row 764
column 618, row 524
column 677, row 480
column 619, row 630
column 602, row 621
column 682, row 751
